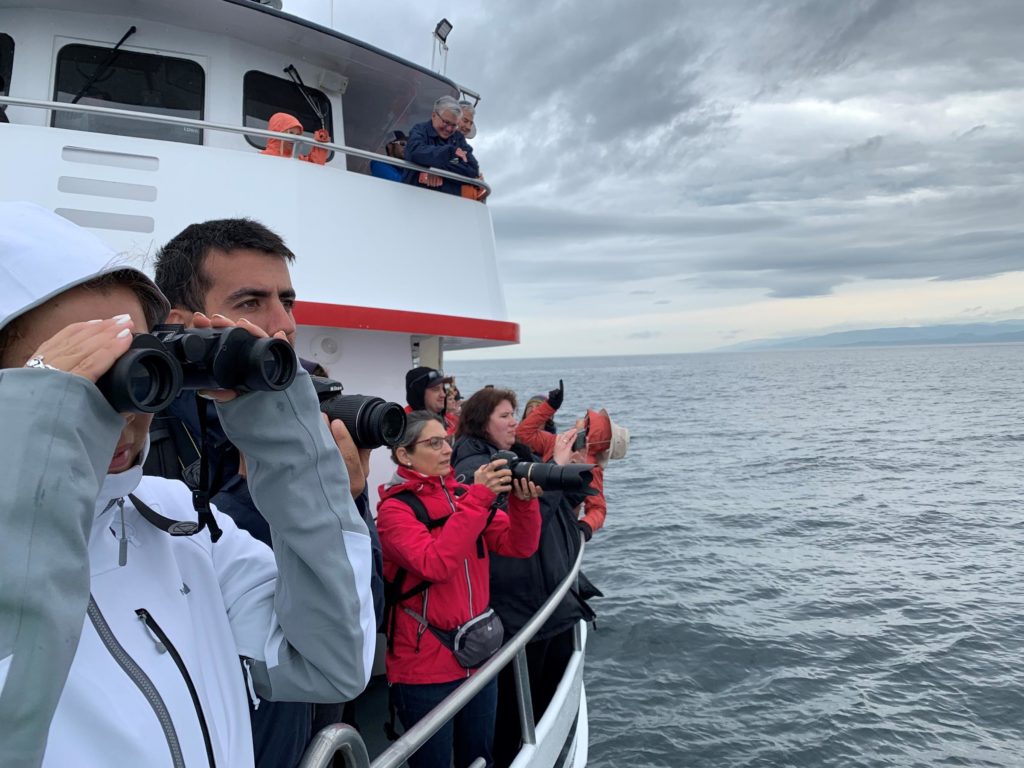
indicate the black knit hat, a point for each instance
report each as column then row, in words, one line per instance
column 418, row 381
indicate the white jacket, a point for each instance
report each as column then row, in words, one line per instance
column 128, row 675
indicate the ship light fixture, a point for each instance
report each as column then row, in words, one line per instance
column 440, row 45
column 442, row 30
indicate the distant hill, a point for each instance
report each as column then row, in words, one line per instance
column 966, row 333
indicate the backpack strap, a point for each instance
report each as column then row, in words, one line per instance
column 171, row 448
column 393, row 594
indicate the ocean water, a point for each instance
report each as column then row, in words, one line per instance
column 811, row 558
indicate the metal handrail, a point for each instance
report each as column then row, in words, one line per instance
column 418, row 735
column 341, row 737
column 61, row 106
column 336, row 738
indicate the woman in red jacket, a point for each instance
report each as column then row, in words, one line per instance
column 436, row 546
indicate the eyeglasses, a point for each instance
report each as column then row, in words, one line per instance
column 435, row 443
column 447, row 123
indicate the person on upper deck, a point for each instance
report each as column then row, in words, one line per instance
column 520, row 587
column 120, row 642
column 394, row 148
column 437, row 535
column 425, row 391
column 437, row 143
column 467, row 124
column 282, row 122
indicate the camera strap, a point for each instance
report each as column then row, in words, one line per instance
column 166, row 524
column 201, row 496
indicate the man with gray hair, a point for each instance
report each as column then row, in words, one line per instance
column 437, row 143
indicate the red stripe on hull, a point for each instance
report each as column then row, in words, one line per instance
column 399, row 321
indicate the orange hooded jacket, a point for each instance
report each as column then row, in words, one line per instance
column 281, row 122
column 531, row 432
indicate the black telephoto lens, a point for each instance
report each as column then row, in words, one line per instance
column 573, row 478
column 145, row 379
column 372, row 421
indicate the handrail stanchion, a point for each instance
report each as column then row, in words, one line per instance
column 333, row 739
column 577, row 636
column 524, row 699
column 63, row 106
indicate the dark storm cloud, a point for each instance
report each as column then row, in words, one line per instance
column 530, row 223
column 781, row 147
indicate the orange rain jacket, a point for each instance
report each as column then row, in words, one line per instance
column 532, row 433
column 281, row 122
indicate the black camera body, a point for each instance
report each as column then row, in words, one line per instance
column 159, row 364
column 574, row 478
column 372, row 421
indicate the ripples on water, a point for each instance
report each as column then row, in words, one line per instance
column 810, row 559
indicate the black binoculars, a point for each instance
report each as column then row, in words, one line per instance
column 170, row 358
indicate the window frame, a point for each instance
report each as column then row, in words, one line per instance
column 200, row 73
column 260, row 143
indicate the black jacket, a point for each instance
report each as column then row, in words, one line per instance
column 519, row 586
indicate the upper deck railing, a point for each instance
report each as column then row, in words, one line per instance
column 347, row 741
column 62, row 106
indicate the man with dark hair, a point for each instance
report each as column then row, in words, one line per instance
column 238, row 268
column 425, row 391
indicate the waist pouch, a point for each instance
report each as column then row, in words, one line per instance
column 471, row 643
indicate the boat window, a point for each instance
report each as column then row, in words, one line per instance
column 138, row 82
column 6, row 63
column 264, row 94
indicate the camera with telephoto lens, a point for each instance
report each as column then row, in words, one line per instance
column 159, row 364
column 372, row 421
column 574, row 478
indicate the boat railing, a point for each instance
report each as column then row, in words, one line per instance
column 347, row 741
column 206, row 125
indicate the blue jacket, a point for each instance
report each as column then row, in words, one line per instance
column 383, row 170
column 426, row 147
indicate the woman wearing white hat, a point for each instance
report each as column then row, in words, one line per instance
column 125, row 639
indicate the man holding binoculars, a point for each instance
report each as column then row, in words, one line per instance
column 120, row 623
column 238, row 269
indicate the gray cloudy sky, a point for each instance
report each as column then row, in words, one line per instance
column 675, row 176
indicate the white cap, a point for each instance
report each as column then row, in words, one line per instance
column 43, row 254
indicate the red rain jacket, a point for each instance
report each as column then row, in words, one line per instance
column 448, row 557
